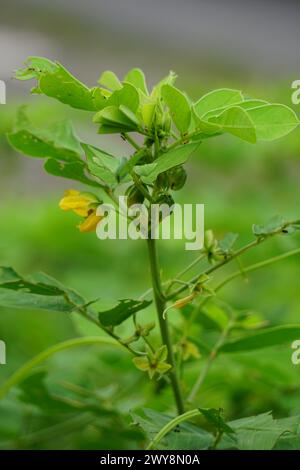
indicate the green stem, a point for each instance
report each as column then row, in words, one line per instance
column 182, row 140
column 184, row 271
column 90, row 317
column 234, row 255
column 171, row 425
column 131, row 141
column 163, row 323
column 199, row 382
column 140, row 186
column 24, row 370
column 259, row 265
column 225, row 333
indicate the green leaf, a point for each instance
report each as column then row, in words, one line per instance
column 272, row 121
column 141, row 363
column 162, row 353
column 165, row 161
column 186, row 436
column 64, row 87
column 43, row 278
column 137, row 78
column 273, row 225
column 213, row 317
column 127, row 96
column 214, row 417
column 8, row 274
column 57, row 141
column 236, row 121
column 117, row 119
column 123, row 310
column 36, row 292
column 70, row 170
column 163, row 367
column 168, row 80
column 289, row 440
column 148, row 112
column 265, row 338
column 259, row 432
column 249, row 321
column 250, row 104
column 179, row 106
column 19, row 299
column 247, row 104
column 101, row 164
column 34, row 392
column 227, row 243
column 217, row 99
column 35, row 67
column 108, row 129
column 130, row 115
column 110, row 80
column 56, row 82
column 204, row 128
column 127, row 165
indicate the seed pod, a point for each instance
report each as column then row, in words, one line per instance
column 134, row 196
column 164, row 198
column 162, row 181
column 177, row 178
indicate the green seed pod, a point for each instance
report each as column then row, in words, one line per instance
column 165, row 198
column 177, row 178
column 162, row 181
column 134, row 196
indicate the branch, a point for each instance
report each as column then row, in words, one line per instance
column 234, row 255
column 224, row 335
column 259, row 265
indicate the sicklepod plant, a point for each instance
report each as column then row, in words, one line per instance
column 164, row 127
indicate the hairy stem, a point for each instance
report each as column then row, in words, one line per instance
column 163, row 323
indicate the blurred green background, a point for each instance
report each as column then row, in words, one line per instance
column 240, row 184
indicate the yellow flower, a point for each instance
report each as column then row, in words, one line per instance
column 90, row 222
column 78, row 202
column 180, row 303
column 83, row 204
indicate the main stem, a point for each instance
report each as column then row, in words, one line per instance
column 163, row 323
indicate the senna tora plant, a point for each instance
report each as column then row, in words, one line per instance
column 165, row 128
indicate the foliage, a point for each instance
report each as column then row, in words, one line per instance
column 170, row 127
